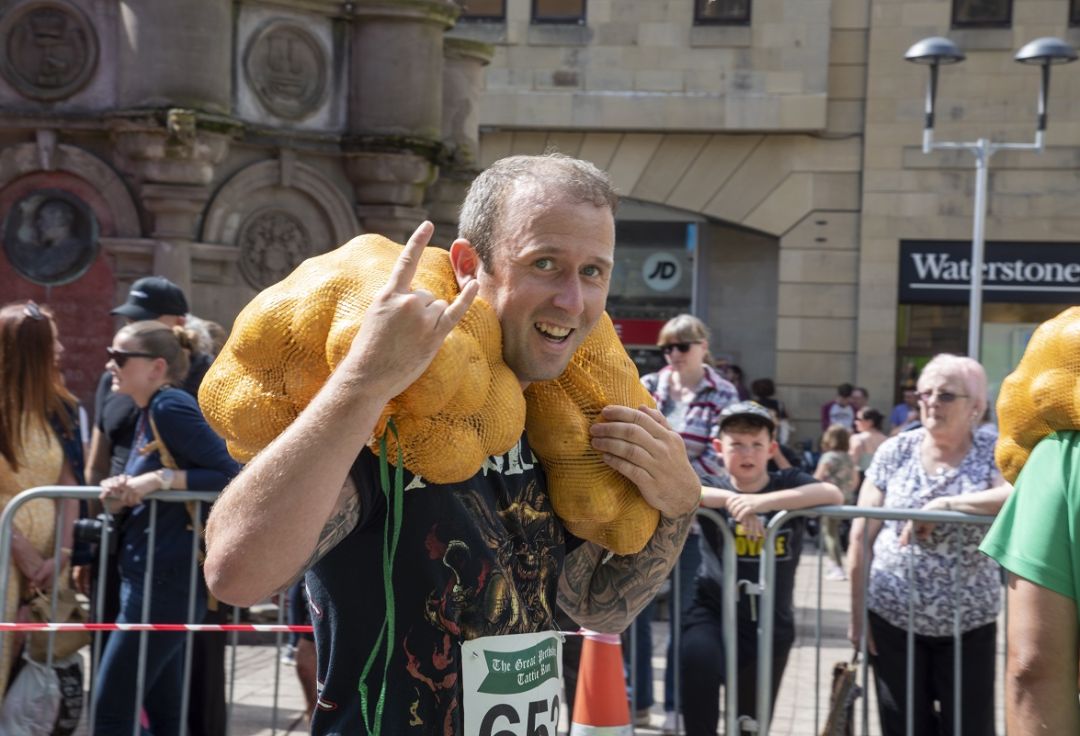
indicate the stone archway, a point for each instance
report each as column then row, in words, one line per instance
column 278, row 213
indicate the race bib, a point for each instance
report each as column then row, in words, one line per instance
column 511, row 684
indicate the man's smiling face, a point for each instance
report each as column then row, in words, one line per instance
column 551, row 267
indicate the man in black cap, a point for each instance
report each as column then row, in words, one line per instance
column 115, row 418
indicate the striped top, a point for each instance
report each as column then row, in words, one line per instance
column 698, row 421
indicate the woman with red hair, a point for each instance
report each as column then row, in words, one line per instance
column 38, row 447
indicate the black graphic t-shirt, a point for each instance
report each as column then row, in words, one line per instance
column 748, row 567
column 479, row 558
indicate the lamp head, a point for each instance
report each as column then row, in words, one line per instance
column 933, row 51
column 1046, row 50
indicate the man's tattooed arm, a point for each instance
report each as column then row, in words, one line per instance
column 342, row 521
column 607, row 595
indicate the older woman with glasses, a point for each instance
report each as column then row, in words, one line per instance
column 39, row 446
column 173, row 448
column 691, row 394
column 945, row 465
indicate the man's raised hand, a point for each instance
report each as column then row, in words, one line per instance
column 404, row 328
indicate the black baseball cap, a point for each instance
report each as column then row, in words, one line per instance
column 747, row 409
column 151, row 297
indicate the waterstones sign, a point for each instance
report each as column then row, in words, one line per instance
column 939, row 272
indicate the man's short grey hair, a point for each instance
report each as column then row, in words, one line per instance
column 551, row 177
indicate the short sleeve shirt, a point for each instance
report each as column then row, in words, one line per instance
column 839, row 470
column 951, row 550
column 1037, row 533
column 478, row 558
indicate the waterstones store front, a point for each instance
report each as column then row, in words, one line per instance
column 1024, row 284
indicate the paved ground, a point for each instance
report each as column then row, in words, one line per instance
column 259, row 675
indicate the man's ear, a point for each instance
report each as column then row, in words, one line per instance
column 464, row 260
column 717, row 445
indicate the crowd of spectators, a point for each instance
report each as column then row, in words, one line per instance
column 148, row 434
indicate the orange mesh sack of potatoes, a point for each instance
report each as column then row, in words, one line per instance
column 466, row 406
column 284, row 344
column 594, row 502
column 1042, row 395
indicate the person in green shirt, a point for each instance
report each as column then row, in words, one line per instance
column 1036, row 538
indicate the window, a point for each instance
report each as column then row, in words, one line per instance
column 483, row 9
column 982, row 13
column 1074, row 13
column 727, row 12
column 558, row 11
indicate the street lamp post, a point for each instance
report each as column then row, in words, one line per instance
column 936, row 51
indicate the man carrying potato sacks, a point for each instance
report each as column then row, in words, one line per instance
column 389, row 402
column 1036, row 536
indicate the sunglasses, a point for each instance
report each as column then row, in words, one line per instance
column 945, row 397
column 682, row 347
column 33, row 311
column 121, row 357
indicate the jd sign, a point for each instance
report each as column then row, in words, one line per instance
column 661, row 271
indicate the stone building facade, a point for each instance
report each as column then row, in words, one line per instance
column 792, row 142
column 217, row 143
column 771, row 168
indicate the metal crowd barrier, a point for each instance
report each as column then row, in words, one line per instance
column 763, row 587
column 728, row 560
column 768, row 606
column 731, row 585
column 91, row 493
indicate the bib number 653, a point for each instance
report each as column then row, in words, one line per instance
column 506, row 714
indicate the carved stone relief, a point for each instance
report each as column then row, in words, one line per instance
column 287, row 68
column 50, row 237
column 50, row 49
column 272, row 243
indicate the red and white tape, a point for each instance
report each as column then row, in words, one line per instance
column 260, row 628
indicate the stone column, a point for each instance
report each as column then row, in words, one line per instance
column 463, row 85
column 170, row 163
column 395, row 109
column 175, row 54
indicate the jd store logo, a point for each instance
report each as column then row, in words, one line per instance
column 661, row 271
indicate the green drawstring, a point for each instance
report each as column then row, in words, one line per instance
column 394, row 505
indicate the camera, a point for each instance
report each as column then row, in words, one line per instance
column 90, row 531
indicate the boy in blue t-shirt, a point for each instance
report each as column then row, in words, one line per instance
column 748, row 498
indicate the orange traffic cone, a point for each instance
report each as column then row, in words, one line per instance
column 601, row 707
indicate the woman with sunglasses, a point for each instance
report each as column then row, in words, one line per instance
column 148, row 361
column 39, row 446
column 691, row 394
column 944, row 465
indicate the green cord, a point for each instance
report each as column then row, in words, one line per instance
column 394, row 506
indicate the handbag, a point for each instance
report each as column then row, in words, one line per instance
column 845, row 691
column 44, row 701
column 68, row 611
